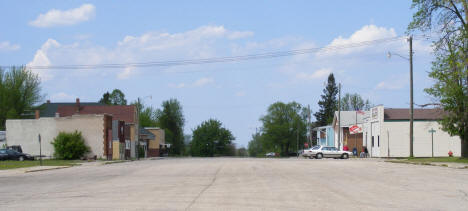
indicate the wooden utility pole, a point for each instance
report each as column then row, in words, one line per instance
column 410, row 39
column 309, row 125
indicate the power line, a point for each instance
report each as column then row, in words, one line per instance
column 267, row 55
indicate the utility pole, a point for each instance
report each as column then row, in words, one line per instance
column 309, row 125
column 339, row 116
column 410, row 40
column 40, row 149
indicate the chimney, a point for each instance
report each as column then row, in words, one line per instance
column 37, row 114
column 77, row 105
column 48, row 101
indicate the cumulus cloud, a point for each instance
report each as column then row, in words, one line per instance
column 56, row 17
column 366, row 33
column 7, row 46
column 41, row 59
column 126, row 73
column 201, row 42
column 203, row 81
column 318, row 74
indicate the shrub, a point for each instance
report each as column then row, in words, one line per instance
column 69, row 146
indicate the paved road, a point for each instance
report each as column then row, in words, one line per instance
column 238, row 184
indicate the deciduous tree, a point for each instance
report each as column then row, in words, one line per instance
column 20, row 91
column 448, row 18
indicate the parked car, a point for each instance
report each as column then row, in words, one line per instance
column 320, row 152
column 16, row 148
column 8, row 154
column 270, row 154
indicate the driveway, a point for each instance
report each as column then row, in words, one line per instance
column 238, row 184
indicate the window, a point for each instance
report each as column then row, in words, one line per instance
column 372, row 141
column 315, row 147
column 378, row 141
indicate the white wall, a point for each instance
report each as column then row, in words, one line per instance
column 25, row 132
column 398, row 133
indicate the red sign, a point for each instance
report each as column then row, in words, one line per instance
column 355, row 129
column 306, row 145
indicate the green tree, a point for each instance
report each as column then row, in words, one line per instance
column 450, row 68
column 328, row 104
column 172, row 120
column 19, row 93
column 116, row 97
column 258, row 147
column 69, row 146
column 282, row 124
column 354, row 102
column 106, row 99
column 210, row 138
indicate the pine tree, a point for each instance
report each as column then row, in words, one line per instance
column 328, row 103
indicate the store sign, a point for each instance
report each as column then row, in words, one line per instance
column 355, row 129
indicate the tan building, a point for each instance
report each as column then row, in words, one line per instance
column 157, row 143
column 95, row 128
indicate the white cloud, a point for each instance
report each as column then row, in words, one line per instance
column 126, row 73
column 393, row 83
column 7, row 46
column 318, row 74
column 41, row 59
column 366, row 33
column 203, row 81
column 62, row 96
column 198, row 83
column 202, row 42
column 56, row 17
column 240, row 34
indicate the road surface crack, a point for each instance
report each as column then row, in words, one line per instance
column 204, row 189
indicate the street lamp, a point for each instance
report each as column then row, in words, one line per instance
column 410, row 59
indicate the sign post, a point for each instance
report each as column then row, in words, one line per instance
column 432, row 131
column 40, row 150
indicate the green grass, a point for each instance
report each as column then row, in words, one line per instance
column 441, row 160
column 12, row 164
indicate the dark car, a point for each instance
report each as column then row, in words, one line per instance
column 16, row 148
column 8, row 154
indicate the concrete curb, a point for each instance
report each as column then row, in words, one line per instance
column 46, row 169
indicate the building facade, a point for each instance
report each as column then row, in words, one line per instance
column 386, row 133
column 95, row 129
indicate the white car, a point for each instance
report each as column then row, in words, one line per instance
column 270, row 154
column 320, row 152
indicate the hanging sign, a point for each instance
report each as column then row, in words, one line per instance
column 355, row 129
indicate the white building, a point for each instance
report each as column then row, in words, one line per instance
column 386, row 133
column 2, row 138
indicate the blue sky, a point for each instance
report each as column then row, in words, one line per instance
column 40, row 33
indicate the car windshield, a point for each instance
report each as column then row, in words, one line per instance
column 315, row 148
column 3, row 151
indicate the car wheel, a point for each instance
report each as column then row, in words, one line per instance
column 21, row 158
column 345, row 156
column 319, row 156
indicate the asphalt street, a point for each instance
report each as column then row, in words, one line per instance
column 238, row 184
